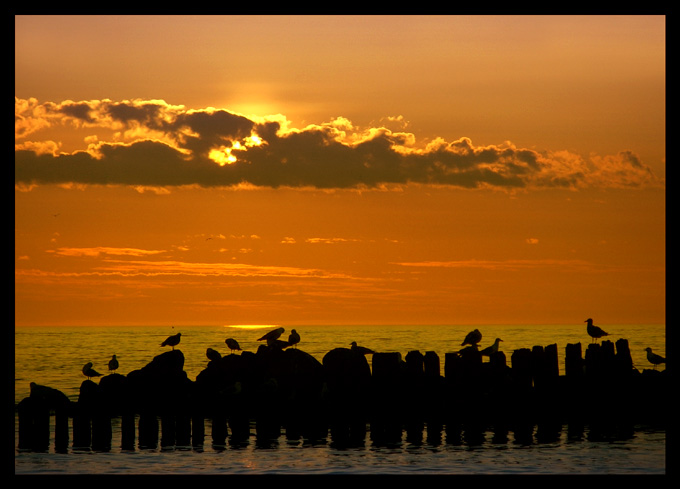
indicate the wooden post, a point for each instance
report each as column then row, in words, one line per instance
column 148, row 430
column 61, row 437
column 41, row 423
column 415, row 362
column 521, row 368
column 624, row 360
column 101, row 430
column 197, row 430
column 82, row 428
column 183, row 430
column 25, row 424
column 573, row 361
column 219, row 429
column 432, row 366
column 167, row 430
column 127, row 438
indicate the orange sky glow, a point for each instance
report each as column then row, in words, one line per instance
column 199, row 170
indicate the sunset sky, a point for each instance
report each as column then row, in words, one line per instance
column 339, row 169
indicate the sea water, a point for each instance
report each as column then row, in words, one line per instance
column 54, row 356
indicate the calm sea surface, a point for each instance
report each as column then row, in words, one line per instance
column 54, row 356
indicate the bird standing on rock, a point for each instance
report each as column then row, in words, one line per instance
column 490, row 350
column 472, row 338
column 361, row 349
column 293, row 338
column 172, row 341
column 594, row 331
column 113, row 363
column 213, row 355
column 89, row 372
column 232, row 344
column 272, row 336
column 653, row 358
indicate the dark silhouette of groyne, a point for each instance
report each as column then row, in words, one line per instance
column 276, row 391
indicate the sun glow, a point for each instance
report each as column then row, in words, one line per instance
column 222, row 156
column 251, row 326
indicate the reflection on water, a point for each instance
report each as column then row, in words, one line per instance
column 643, row 453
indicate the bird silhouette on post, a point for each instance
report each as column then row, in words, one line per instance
column 272, row 336
column 232, row 344
column 472, row 338
column 293, row 338
column 595, row 332
column 360, row 349
column 653, row 358
column 213, row 355
column 172, row 341
column 113, row 363
column 490, row 350
column 89, row 372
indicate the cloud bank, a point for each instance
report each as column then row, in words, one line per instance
column 155, row 144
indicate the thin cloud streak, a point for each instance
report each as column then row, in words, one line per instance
column 150, row 143
column 514, row 265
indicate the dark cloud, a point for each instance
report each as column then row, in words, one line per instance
column 318, row 156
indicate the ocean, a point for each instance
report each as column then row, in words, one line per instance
column 54, row 356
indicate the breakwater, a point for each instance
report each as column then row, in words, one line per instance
column 287, row 390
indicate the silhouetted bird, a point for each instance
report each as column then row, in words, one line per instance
column 89, row 372
column 113, row 363
column 293, row 338
column 653, row 358
column 594, row 331
column 277, row 344
column 232, row 344
column 272, row 335
column 361, row 349
column 172, row 341
column 472, row 338
column 213, row 355
column 489, row 350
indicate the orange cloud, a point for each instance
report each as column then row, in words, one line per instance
column 155, row 144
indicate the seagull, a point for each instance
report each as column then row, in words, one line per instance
column 272, row 335
column 213, row 355
column 490, row 350
column 361, row 349
column 113, row 363
column 89, row 372
column 594, row 331
column 172, row 341
column 232, row 344
column 277, row 344
column 653, row 358
column 293, row 338
column 472, row 338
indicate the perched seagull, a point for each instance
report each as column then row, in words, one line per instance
column 594, row 331
column 293, row 338
column 172, row 341
column 213, row 355
column 89, row 372
column 232, row 344
column 653, row 358
column 277, row 344
column 113, row 363
column 361, row 349
column 272, row 335
column 472, row 338
column 489, row 350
